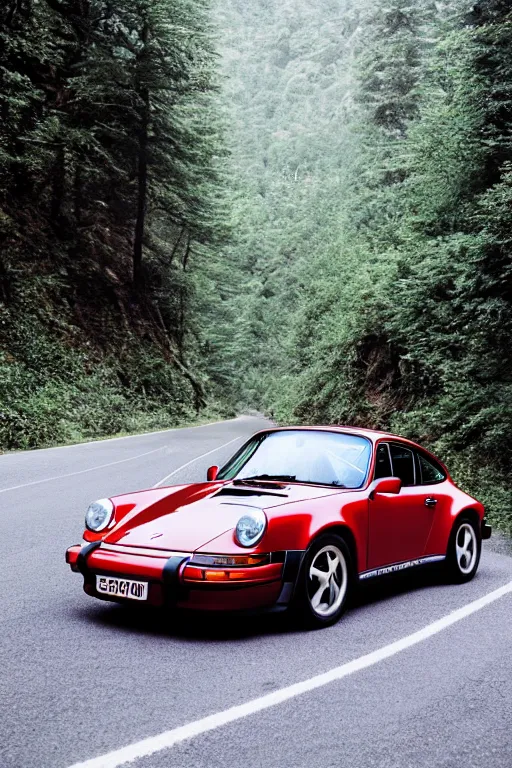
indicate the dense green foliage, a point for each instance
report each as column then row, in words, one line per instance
column 323, row 232
column 374, row 212
column 108, row 193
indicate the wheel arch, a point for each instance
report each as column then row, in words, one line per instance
column 342, row 530
column 297, row 601
column 452, row 568
column 468, row 512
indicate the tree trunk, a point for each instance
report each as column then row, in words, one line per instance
column 77, row 194
column 58, row 185
column 176, row 246
column 181, row 329
column 142, row 172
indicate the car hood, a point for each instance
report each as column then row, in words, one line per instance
column 186, row 518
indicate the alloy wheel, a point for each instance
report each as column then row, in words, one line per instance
column 327, row 581
column 466, row 548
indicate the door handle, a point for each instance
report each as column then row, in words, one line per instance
column 430, row 501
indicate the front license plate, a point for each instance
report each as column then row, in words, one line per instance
column 133, row 590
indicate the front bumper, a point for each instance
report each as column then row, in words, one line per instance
column 173, row 580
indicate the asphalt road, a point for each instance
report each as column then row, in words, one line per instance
column 81, row 679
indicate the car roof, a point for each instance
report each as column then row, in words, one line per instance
column 372, row 434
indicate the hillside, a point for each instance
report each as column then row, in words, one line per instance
column 372, row 189
column 109, row 205
column 299, row 207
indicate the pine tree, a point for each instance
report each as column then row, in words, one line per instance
column 109, row 198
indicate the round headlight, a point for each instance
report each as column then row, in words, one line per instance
column 99, row 515
column 250, row 528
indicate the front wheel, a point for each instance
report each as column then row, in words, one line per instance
column 325, row 582
column 464, row 550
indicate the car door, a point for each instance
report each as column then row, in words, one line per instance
column 436, row 493
column 399, row 525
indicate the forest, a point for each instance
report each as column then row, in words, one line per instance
column 299, row 207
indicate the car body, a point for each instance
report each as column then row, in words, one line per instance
column 297, row 510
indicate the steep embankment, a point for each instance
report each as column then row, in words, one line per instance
column 373, row 167
column 108, row 209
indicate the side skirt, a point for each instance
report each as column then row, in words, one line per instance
column 397, row 567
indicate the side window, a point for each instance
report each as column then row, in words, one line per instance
column 382, row 462
column 430, row 472
column 403, row 464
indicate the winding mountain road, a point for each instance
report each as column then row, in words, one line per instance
column 418, row 674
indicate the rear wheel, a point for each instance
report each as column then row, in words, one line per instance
column 464, row 550
column 325, row 582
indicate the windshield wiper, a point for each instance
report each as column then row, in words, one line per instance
column 284, row 479
column 255, row 478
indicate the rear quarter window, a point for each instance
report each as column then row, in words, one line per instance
column 429, row 470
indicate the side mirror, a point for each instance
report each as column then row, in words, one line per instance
column 212, row 473
column 385, row 485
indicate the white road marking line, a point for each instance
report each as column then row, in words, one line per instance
column 102, row 440
column 170, row 738
column 121, row 461
column 175, row 472
column 82, row 471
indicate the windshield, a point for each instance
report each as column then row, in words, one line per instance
column 321, row 458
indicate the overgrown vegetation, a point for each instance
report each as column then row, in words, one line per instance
column 109, row 192
column 374, row 204
column 358, row 152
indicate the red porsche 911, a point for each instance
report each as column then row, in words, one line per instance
column 294, row 520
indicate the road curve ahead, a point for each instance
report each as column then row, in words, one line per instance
column 417, row 674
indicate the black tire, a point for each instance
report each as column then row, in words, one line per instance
column 324, row 550
column 461, row 568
